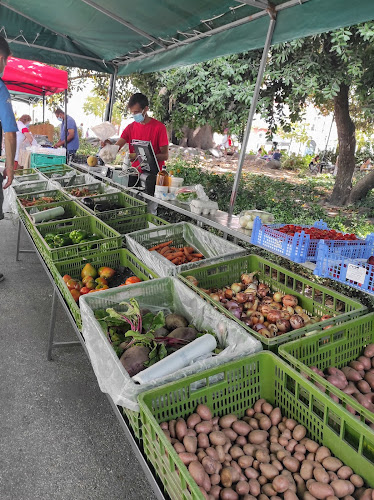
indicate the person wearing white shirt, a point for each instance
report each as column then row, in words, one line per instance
column 24, row 136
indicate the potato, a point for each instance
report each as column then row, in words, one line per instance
column 167, row 434
column 248, row 497
column 192, row 420
column 228, row 494
column 204, row 412
column 280, row 484
column 251, row 473
column 215, row 479
column 254, row 487
column 299, row 456
column 263, row 497
column 291, row 445
column 179, row 448
column 257, row 437
column 351, row 374
column 249, row 412
column 215, row 491
column 204, row 493
column 267, row 408
column 356, row 480
column 290, row 495
column 267, row 489
column 262, row 480
column 217, row 438
column 321, row 475
column 204, row 427
column 306, row 470
column 180, row 429
column 299, row 432
column 365, row 362
column 300, row 485
column 172, row 430
column 291, row 463
column 281, row 454
column 287, row 434
column 342, row 487
column 201, row 454
column 241, row 441
column 322, row 453
column 369, row 377
column 369, row 351
column 356, row 365
column 245, row 461
column 236, row 452
column 290, row 424
column 173, row 321
column 203, row 440
column 308, row 496
column 363, row 387
column 253, row 423
column 241, row 427
column 344, row 472
column 230, row 433
column 190, row 443
column 227, row 420
column 228, row 476
column 262, row 455
column 210, row 465
column 275, row 416
column 265, row 423
column 332, row 463
column 221, row 454
column 187, row 458
column 164, row 426
column 320, row 490
column 197, row 471
column 242, row 488
column 277, row 464
column 311, row 446
column 332, row 475
column 269, row 471
column 258, row 405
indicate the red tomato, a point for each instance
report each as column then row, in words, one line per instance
column 132, row 280
column 84, row 290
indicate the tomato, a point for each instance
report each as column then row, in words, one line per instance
column 101, row 287
column 86, row 279
column 66, row 278
column 76, row 294
column 84, row 290
column 132, row 280
column 317, row 234
column 74, row 284
column 101, row 281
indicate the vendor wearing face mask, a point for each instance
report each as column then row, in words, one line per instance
column 145, row 128
column 73, row 138
column 24, row 136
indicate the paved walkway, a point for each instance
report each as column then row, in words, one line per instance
column 59, row 439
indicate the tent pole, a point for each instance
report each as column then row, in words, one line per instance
column 66, row 124
column 110, row 101
column 252, row 111
column 43, row 106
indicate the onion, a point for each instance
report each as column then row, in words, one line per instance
column 256, row 317
column 273, row 329
column 214, row 296
column 236, row 287
column 252, row 288
column 241, row 297
column 296, row 321
column 325, row 316
column 265, row 333
column 251, row 297
column 221, row 295
column 289, row 309
column 267, row 300
column 283, row 326
column 248, row 305
column 247, row 321
column 264, row 309
column 274, row 315
column 305, row 317
column 298, row 310
column 277, row 297
column 192, row 280
column 276, row 305
column 285, row 315
column 231, row 304
column 236, row 312
column 258, row 326
column 289, row 300
column 262, row 290
column 228, row 293
column 246, row 278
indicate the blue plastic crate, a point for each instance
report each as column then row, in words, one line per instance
column 39, row 160
column 347, row 265
column 301, row 248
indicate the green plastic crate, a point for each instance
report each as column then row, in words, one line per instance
column 39, row 160
column 109, row 239
column 235, row 386
column 130, row 224
column 99, row 187
column 24, row 171
column 55, row 193
column 72, row 209
column 55, row 169
column 30, row 187
column 113, row 259
column 32, row 177
column 313, row 298
column 130, row 207
column 336, row 347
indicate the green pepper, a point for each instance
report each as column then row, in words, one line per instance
column 49, row 238
column 88, row 239
column 77, row 235
column 62, row 240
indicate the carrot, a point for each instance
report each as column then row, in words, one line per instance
column 176, row 261
column 195, row 260
column 163, row 250
column 161, row 245
column 190, row 249
column 197, row 255
column 171, row 256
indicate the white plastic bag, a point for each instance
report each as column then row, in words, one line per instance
column 104, row 130
column 108, row 153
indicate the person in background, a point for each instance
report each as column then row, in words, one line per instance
column 367, row 165
column 9, row 125
column 314, row 162
column 226, row 140
column 144, row 128
column 260, row 153
column 276, row 155
column 24, row 136
column 73, row 138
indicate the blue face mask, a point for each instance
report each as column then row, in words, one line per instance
column 60, row 119
column 138, row 118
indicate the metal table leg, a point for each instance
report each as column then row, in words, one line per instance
column 18, row 242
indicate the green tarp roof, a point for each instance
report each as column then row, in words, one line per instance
column 151, row 35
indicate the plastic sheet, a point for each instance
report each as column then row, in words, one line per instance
column 214, row 248
column 161, row 293
column 26, row 188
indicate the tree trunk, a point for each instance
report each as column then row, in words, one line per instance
column 347, row 145
column 201, row 137
column 362, row 188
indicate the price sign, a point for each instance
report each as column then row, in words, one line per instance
column 356, row 273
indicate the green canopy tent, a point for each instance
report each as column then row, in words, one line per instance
column 122, row 37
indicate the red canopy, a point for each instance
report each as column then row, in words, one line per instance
column 32, row 77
